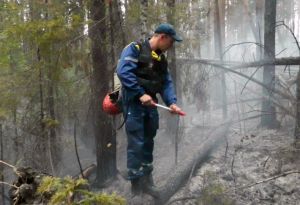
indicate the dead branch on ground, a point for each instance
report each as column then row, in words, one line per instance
column 240, row 187
column 268, row 179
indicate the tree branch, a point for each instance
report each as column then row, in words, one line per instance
column 238, row 65
column 268, row 179
column 11, row 185
column 282, row 23
column 9, row 165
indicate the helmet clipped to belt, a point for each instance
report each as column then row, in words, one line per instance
column 111, row 103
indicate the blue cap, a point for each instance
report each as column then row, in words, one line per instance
column 168, row 29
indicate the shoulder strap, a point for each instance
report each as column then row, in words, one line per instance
column 145, row 53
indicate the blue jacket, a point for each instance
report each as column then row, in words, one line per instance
column 128, row 63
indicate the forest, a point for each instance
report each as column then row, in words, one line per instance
column 236, row 76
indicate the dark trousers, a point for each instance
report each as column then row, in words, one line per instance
column 141, row 126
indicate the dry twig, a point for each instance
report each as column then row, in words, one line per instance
column 266, row 180
column 9, row 165
column 11, row 185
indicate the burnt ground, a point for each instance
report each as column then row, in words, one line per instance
column 252, row 154
column 255, row 156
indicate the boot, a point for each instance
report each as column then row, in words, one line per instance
column 148, row 185
column 148, row 180
column 135, row 178
column 147, row 168
column 136, row 188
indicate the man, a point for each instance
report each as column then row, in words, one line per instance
column 143, row 72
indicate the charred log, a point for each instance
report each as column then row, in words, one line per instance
column 180, row 175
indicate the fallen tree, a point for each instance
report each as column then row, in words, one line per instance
column 232, row 66
column 231, row 69
column 239, row 65
column 181, row 174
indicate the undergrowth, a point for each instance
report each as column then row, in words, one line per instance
column 70, row 191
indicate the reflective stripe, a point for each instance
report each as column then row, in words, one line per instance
column 137, row 46
column 131, row 59
column 155, row 56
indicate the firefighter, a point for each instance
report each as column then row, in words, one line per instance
column 143, row 72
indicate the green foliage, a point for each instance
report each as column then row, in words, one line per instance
column 103, row 198
column 50, row 122
column 72, row 192
column 214, row 195
column 213, row 192
column 35, row 37
column 3, row 114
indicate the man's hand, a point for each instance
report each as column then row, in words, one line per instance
column 175, row 109
column 146, row 100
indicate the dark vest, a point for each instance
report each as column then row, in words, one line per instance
column 151, row 72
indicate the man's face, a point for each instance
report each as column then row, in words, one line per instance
column 165, row 42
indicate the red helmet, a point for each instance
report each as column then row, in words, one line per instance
column 109, row 107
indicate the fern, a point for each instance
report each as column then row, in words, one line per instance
column 71, row 192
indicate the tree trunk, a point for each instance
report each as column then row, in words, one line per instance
column 173, row 122
column 269, row 120
column 117, row 8
column 172, row 51
column 259, row 22
column 219, row 55
column 42, row 125
column 38, row 158
column 112, row 37
column 2, row 199
column 259, row 6
column 144, row 6
column 250, row 21
column 17, row 144
column 41, row 139
column 52, row 141
column 101, row 78
column 297, row 125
